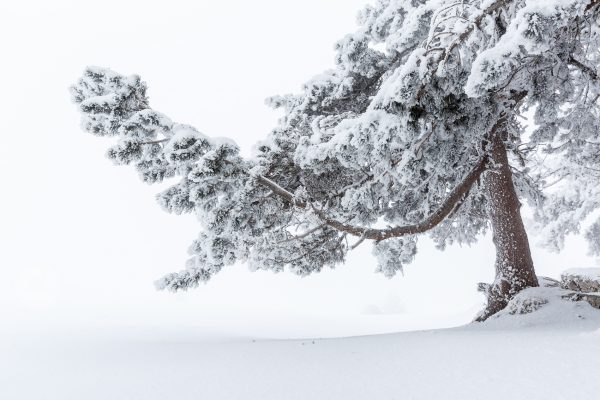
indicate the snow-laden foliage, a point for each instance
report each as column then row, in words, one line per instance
column 396, row 135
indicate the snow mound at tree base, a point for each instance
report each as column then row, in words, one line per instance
column 549, row 305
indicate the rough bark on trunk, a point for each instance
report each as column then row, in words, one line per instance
column 514, row 266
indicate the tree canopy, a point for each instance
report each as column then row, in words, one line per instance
column 389, row 144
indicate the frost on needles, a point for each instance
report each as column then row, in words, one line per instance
column 415, row 131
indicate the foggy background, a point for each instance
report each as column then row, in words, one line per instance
column 82, row 241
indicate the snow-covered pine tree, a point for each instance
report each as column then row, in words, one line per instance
column 416, row 129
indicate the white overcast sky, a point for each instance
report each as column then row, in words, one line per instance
column 82, row 241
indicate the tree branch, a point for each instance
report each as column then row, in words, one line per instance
column 584, row 68
column 303, row 235
column 592, row 4
column 452, row 202
column 156, row 141
column 454, row 199
column 281, row 192
column 475, row 23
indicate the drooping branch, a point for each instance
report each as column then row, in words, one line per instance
column 452, row 202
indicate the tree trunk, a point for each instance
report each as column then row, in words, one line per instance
column 514, row 266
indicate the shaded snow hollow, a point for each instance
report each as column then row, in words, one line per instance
column 552, row 353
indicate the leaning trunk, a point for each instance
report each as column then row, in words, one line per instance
column 514, row 266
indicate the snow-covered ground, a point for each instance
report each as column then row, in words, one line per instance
column 553, row 353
